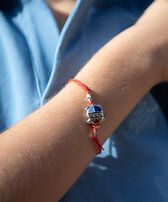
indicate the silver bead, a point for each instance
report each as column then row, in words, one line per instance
column 89, row 97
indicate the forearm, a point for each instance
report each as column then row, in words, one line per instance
column 43, row 155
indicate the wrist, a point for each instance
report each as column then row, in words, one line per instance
column 119, row 74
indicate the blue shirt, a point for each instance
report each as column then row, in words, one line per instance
column 36, row 60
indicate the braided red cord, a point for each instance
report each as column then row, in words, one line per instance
column 94, row 127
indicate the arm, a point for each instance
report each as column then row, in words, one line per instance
column 43, row 155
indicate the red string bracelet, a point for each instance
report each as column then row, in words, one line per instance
column 94, row 113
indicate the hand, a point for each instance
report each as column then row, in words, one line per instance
column 153, row 28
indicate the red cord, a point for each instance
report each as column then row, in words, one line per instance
column 99, row 146
column 94, row 127
column 83, row 86
column 95, row 139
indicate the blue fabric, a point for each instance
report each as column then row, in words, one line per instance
column 36, row 60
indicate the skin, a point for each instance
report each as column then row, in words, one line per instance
column 42, row 156
column 61, row 10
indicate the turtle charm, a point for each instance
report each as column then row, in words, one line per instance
column 94, row 114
